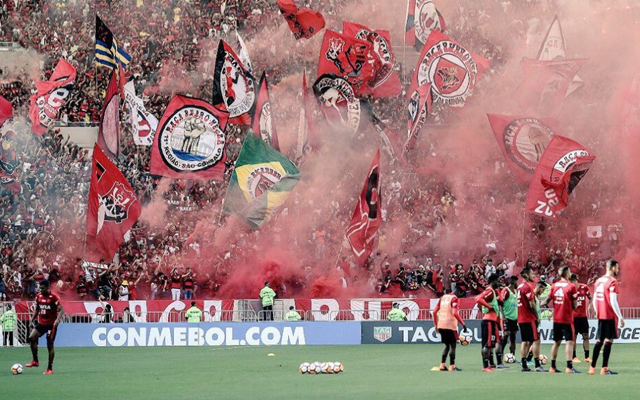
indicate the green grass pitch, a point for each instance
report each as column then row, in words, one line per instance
column 371, row 372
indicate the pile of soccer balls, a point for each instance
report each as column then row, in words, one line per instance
column 318, row 368
column 16, row 369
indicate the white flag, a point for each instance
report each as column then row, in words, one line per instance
column 244, row 53
column 594, row 232
column 144, row 124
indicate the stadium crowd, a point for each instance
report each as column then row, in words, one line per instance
column 42, row 228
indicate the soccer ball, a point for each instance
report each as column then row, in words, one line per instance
column 315, row 368
column 337, row 368
column 304, row 368
column 543, row 359
column 327, row 368
column 16, row 369
column 465, row 339
column 509, row 358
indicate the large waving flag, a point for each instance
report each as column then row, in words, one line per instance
column 6, row 110
column 262, row 119
column 51, row 95
column 545, row 85
column 385, row 82
column 303, row 22
column 109, row 128
column 143, row 122
column 348, row 58
column 338, row 102
column 422, row 18
column 452, row 70
column 553, row 49
column 522, row 141
column 107, row 52
column 190, row 141
column 243, row 54
column 112, row 210
column 563, row 164
column 261, row 182
column 233, row 85
column 367, row 217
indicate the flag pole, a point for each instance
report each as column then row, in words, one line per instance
column 339, row 253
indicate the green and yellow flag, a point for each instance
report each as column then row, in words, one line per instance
column 261, row 182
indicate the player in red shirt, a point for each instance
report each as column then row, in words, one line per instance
column 49, row 314
column 605, row 304
column 580, row 321
column 528, row 320
column 488, row 301
column 563, row 294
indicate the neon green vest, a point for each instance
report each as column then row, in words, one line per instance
column 510, row 306
column 493, row 303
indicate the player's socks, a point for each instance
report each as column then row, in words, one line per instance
column 530, row 356
column 586, row 354
column 499, row 358
column 537, row 362
column 606, row 353
column 596, row 353
column 524, row 363
column 553, row 364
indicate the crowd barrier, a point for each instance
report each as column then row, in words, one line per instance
column 222, row 333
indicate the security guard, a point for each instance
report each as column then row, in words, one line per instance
column 8, row 320
column 292, row 315
column 193, row 314
column 267, row 294
column 396, row 314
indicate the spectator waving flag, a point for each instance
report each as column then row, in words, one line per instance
column 452, row 70
column 422, row 18
column 261, row 182
column 367, row 216
column 190, row 141
column 563, row 164
column 262, row 117
column 386, row 82
column 112, row 210
column 8, row 177
column 6, row 110
column 107, row 52
column 143, row 122
column 303, row 22
column 233, row 85
column 109, row 128
column 51, row 95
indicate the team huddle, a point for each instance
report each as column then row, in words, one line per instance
column 517, row 307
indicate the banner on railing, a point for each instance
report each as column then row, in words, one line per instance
column 208, row 334
column 424, row 332
column 142, row 310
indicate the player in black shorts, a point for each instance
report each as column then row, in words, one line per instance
column 48, row 313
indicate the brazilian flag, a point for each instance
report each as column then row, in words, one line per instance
column 261, row 182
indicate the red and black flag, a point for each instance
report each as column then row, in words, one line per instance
column 545, row 85
column 385, row 82
column 553, row 49
column 563, row 164
column 233, row 86
column 8, row 177
column 338, row 102
column 112, row 210
column 367, row 216
column 190, row 141
column 263, row 124
column 109, row 129
column 418, row 109
column 522, row 141
column 452, row 70
column 6, row 110
column 348, row 58
column 50, row 97
column 422, row 18
column 303, row 22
